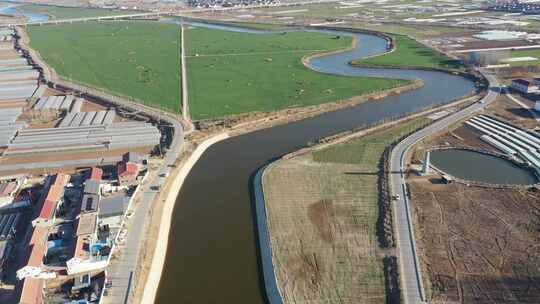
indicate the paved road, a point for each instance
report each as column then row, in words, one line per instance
column 122, row 270
column 410, row 272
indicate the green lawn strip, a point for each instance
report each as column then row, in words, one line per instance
column 418, row 31
column 253, row 25
column 525, row 53
column 367, row 150
column 231, row 73
column 135, row 59
column 410, row 53
column 61, row 12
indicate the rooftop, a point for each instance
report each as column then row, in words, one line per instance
column 113, row 206
column 52, row 195
column 127, row 169
column 95, row 174
column 32, row 291
column 86, row 224
column 524, row 82
column 6, row 189
column 92, row 186
column 89, row 203
column 37, row 246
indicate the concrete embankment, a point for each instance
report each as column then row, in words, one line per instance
column 265, row 247
column 160, row 252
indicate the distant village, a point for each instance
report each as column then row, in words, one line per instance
column 515, row 6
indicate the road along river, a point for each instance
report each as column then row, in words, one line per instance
column 212, row 255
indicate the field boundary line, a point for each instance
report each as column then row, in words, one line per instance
column 256, row 53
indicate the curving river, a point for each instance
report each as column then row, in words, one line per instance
column 212, row 253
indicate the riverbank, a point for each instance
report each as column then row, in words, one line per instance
column 174, row 186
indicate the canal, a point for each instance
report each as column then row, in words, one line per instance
column 212, row 253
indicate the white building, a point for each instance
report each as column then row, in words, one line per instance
column 524, row 86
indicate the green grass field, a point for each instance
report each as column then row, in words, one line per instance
column 60, row 12
column 411, row 53
column 368, row 149
column 231, row 73
column 135, row 59
column 525, row 53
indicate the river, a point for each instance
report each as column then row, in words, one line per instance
column 11, row 9
column 212, row 253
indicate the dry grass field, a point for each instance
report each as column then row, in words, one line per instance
column 322, row 210
column 322, row 219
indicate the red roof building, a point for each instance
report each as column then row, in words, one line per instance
column 6, row 189
column 95, row 174
column 127, row 169
column 32, row 291
column 37, row 246
column 127, row 173
column 50, row 197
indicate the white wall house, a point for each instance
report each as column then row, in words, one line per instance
column 524, row 86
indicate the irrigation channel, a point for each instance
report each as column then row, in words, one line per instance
column 213, row 253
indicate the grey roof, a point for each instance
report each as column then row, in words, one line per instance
column 109, row 117
column 4, row 249
column 77, row 105
column 74, row 137
column 81, row 282
column 8, row 224
column 133, row 157
column 89, row 203
column 91, row 187
column 113, row 206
